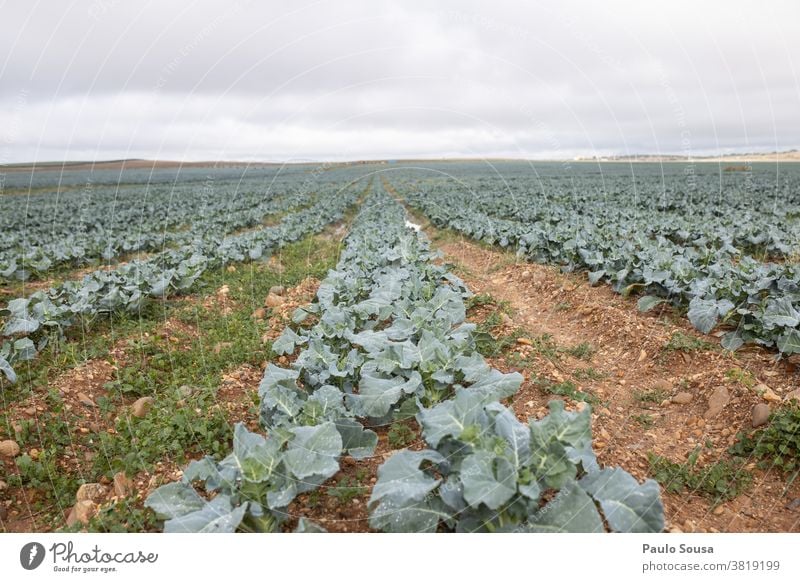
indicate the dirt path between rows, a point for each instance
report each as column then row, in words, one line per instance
column 629, row 365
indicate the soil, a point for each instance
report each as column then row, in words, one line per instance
column 630, row 357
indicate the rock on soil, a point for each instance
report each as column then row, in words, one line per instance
column 682, row 398
column 85, row 400
column 719, row 400
column 277, row 290
column 82, row 512
column 760, row 414
column 662, row 385
column 273, row 300
column 9, row 448
column 90, row 492
column 141, row 407
column 3, row 485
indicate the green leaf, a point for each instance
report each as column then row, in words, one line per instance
column 488, row 479
column 6, row 368
column 451, row 417
column 571, row 511
column 648, row 302
column 307, row 526
column 314, row 451
column 627, row 505
column 256, row 456
column 357, row 441
column 174, row 500
column 703, row 314
column 400, row 500
column 216, row 516
column 789, row 342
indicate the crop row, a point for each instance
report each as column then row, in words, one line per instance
column 385, row 339
column 682, row 251
column 32, row 322
column 43, row 231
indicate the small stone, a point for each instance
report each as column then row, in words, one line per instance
column 768, row 394
column 90, row 492
column 231, row 269
column 718, row 510
column 122, row 485
column 675, row 530
column 30, row 411
column 273, row 300
column 224, row 290
column 642, row 356
column 524, row 341
column 185, row 390
column 506, row 319
column 662, row 385
column 718, row 400
column 84, row 511
column 85, row 400
column 3, row 485
column 760, row 414
column 9, row 448
column 277, row 290
column 682, row 398
column 259, row 313
column 140, row 408
column 688, row 526
column 793, row 395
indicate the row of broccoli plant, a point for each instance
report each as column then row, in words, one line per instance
column 386, row 336
column 42, row 234
column 714, row 284
column 32, row 322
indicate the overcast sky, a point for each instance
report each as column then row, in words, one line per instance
column 295, row 80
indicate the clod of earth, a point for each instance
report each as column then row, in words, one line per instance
column 718, row 400
column 682, row 398
column 760, row 414
column 273, row 300
column 141, row 407
column 9, row 448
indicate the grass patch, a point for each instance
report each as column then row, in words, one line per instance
column 682, row 342
column 651, row 396
column 777, row 445
column 582, row 351
column 401, row 435
column 569, row 390
column 739, row 376
column 588, row 374
column 720, row 481
column 643, row 420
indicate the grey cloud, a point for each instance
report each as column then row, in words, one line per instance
column 287, row 80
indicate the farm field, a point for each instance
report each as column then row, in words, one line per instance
column 427, row 346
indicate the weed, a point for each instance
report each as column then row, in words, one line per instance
column 569, row 390
column 742, row 377
column 682, row 342
column 582, row 351
column 652, row 396
column 588, row 374
column 645, row 420
column 777, row 444
column 347, row 490
column 401, row 435
column 721, row 481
